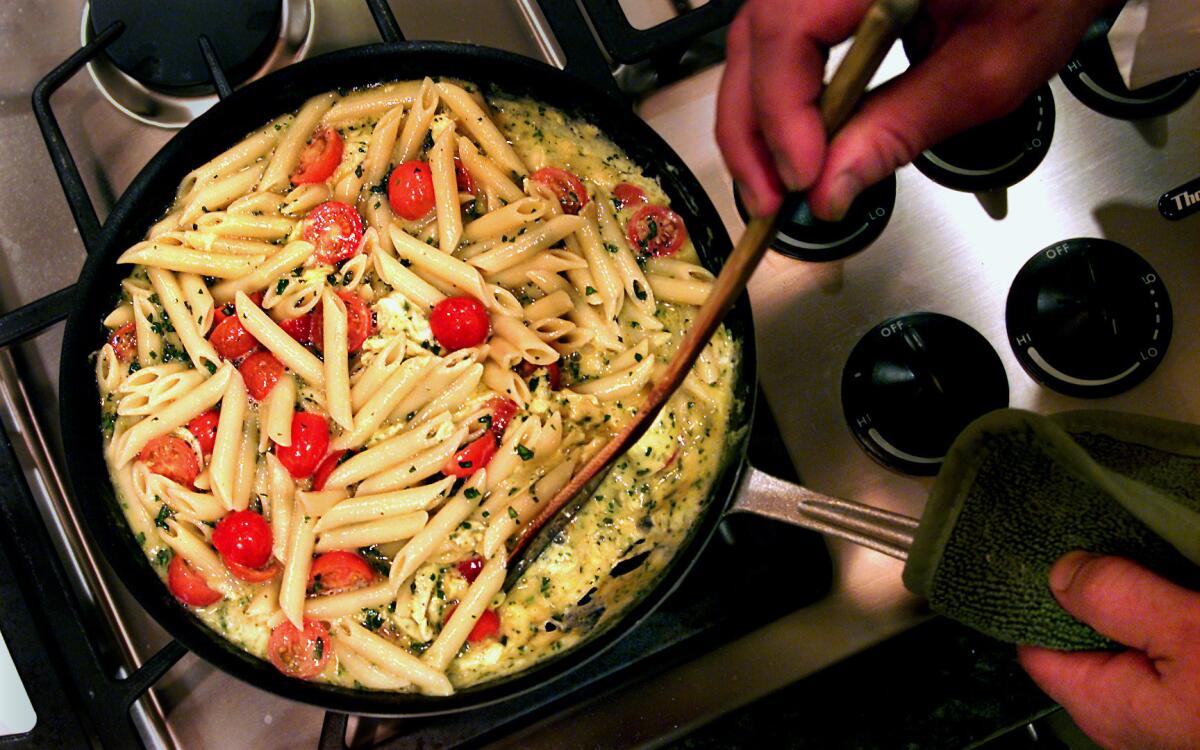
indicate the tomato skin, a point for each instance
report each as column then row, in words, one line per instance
column 173, row 458
column 124, row 342
column 231, row 339
column 470, row 568
column 472, row 458
column 243, row 537
column 656, row 230
column 320, row 158
column 229, row 310
column 571, row 193
column 553, row 373
column 338, row 571
column 459, row 322
column 360, row 322
column 503, row 410
column 254, row 575
column 410, row 189
column 463, row 178
column 628, row 195
column 310, row 441
column 299, row 653
column 486, row 627
column 188, row 586
column 204, row 428
column 321, row 475
column 299, row 328
column 261, row 371
column 335, row 229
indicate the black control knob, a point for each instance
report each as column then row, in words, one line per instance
column 996, row 154
column 1088, row 317
column 805, row 237
column 913, row 383
column 1092, row 76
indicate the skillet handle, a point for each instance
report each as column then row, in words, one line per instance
column 880, row 530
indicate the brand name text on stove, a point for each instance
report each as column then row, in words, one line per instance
column 1183, row 199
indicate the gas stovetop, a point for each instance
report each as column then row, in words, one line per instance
column 916, row 282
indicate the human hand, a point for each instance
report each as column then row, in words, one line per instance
column 981, row 58
column 1144, row 698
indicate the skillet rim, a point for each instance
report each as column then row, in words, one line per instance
column 229, row 121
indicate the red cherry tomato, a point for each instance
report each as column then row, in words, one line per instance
column 338, row 571
column 553, row 373
column 319, row 158
column 472, row 458
column 124, row 342
column 229, row 310
column 335, row 229
column 487, row 626
column 470, row 568
column 321, row 475
column 261, row 371
column 231, row 339
column 299, row 653
column 463, row 178
column 254, row 575
column 656, row 230
column 628, row 195
column 172, row 458
column 459, row 322
column 243, row 537
column 310, row 441
column 572, row 195
column 204, row 428
column 188, row 586
column 298, row 328
column 359, row 322
column 410, row 189
column 503, row 410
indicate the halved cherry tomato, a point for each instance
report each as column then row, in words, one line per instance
column 188, row 586
column 319, row 158
column 298, row 328
column 321, row 475
column 656, row 230
column 254, row 575
column 503, row 410
column 310, row 441
column 359, row 322
column 335, row 229
column 231, row 339
column 338, row 571
column 204, row 428
column 553, row 372
column 243, row 537
column 410, row 189
column 459, row 322
column 472, row 458
column 124, row 342
column 470, row 568
column 487, row 626
column 229, row 310
column 628, row 195
column 172, row 458
column 463, row 178
column 572, row 195
column 261, row 371
column 299, row 653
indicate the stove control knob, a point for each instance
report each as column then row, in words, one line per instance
column 805, row 237
column 995, row 154
column 913, row 383
column 1088, row 317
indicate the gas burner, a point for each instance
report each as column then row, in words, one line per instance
column 996, row 154
column 805, row 237
column 171, row 89
column 1092, row 76
column 913, row 383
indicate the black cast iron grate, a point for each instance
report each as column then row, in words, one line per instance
column 735, row 588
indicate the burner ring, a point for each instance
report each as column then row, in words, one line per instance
column 162, row 110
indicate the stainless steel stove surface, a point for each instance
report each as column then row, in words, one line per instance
column 941, row 251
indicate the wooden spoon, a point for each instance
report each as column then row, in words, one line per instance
column 874, row 37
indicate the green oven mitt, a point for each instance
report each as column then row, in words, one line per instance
column 1019, row 490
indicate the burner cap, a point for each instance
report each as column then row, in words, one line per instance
column 160, row 46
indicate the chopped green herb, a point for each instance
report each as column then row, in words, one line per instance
column 524, row 452
column 470, row 493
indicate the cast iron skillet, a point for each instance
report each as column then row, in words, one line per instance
column 233, row 118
